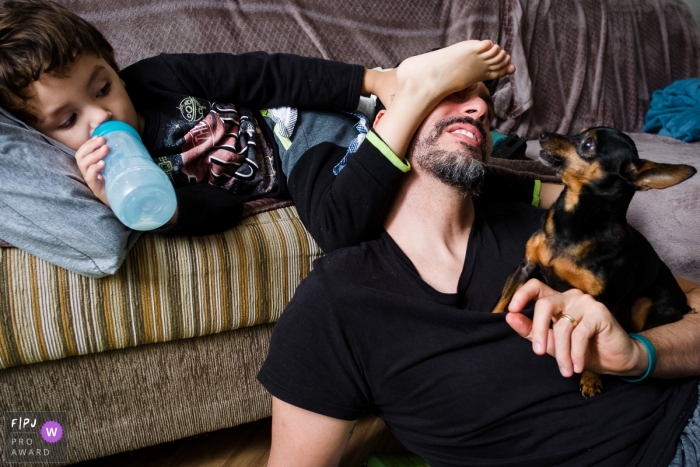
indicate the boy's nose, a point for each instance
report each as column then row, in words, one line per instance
column 99, row 116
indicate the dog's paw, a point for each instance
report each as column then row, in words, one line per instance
column 590, row 384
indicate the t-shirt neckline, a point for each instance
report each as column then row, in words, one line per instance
column 465, row 276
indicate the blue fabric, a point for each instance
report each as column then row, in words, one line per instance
column 675, row 111
column 688, row 451
column 362, row 128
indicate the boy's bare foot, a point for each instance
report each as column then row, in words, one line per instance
column 445, row 71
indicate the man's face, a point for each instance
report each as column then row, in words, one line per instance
column 454, row 139
column 68, row 108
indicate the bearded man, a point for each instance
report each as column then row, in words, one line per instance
column 400, row 326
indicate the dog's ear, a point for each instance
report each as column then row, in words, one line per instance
column 646, row 174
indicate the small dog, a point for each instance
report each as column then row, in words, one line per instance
column 586, row 242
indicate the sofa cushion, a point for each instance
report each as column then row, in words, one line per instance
column 167, row 288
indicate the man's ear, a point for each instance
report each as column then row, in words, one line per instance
column 646, row 174
column 379, row 116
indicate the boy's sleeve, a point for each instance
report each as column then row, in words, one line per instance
column 204, row 209
column 347, row 209
column 254, row 80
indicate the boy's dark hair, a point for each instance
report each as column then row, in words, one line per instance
column 39, row 36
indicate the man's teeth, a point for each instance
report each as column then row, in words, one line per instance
column 466, row 133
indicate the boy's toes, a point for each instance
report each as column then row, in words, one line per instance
column 485, row 45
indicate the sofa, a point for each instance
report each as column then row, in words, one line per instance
column 142, row 339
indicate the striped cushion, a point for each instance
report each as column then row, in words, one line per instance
column 168, row 288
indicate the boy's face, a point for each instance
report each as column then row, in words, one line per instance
column 68, row 108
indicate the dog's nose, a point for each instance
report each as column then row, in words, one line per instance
column 544, row 136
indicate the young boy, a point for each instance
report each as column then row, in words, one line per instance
column 198, row 116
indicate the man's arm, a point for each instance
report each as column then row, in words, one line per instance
column 549, row 194
column 598, row 343
column 301, row 438
column 677, row 344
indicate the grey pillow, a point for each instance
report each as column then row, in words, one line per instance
column 47, row 209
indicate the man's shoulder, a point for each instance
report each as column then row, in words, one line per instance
column 353, row 260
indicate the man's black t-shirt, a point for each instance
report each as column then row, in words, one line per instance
column 456, row 385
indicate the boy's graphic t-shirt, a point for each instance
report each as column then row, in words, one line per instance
column 216, row 144
column 203, row 127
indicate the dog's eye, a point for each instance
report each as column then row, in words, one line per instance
column 589, row 145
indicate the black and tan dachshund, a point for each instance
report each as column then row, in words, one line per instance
column 586, row 242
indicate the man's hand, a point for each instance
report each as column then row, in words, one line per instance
column 90, row 157
column 597, row 343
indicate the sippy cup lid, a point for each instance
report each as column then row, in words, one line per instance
column 115, row 125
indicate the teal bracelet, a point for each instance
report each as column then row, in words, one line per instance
column 652, row 358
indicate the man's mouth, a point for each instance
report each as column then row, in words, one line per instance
column 467, row 131
column 472, row 136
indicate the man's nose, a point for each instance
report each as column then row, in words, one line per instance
column 477, row 109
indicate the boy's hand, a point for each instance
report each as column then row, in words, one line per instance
column 89, row 157
column 436, row 75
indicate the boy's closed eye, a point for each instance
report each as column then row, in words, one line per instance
column 68, row 123
column 103, row 91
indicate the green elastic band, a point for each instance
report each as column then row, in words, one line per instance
column 286, row 142
column 377, row 142
column 536, row 194
column 652, row 358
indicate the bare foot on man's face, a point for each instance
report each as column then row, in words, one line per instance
column 489, row 63
column 454, row 68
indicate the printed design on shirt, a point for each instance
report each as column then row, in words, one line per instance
column 222, row 150
column 191, row 109
column 165, row 165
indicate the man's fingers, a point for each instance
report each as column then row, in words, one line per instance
column 520, row 324
column 545, row 308
column 564, row 337
column 544, row 311
column 532, row 290
column 580, row 337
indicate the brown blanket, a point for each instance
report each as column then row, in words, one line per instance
column 579, row 63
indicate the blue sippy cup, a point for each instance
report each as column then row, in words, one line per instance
column 138, row 191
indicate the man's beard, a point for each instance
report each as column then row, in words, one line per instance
column 463, row 170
